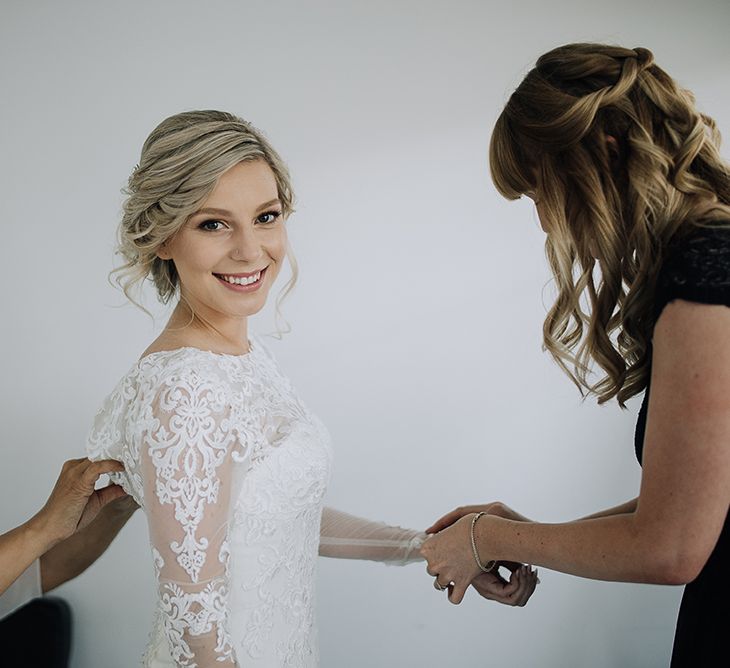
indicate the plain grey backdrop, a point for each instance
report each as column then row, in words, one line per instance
column 417, row 318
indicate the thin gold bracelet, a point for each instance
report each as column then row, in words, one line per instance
column 489, row 566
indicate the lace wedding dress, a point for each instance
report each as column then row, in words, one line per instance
column 231, row 469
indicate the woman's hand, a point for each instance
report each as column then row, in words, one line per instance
column 494, row 508
column 515, row 592
column 450, row 558
column 74, row 502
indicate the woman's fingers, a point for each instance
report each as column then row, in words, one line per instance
column 515, row 592
column 449, row 557
column 95, row 469
column 446, row 521
column 494, row 507
column 527, row 582
column 109, row 493
column 530, row 583
column 73, row 501
column 457, row 591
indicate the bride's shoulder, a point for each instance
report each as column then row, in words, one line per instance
column 186, row 366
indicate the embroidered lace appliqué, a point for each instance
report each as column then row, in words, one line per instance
column 227, row 462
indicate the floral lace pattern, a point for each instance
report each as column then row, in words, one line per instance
column 225, row 460
column 186, row 453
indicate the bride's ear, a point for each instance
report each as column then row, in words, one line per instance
column 163, row 252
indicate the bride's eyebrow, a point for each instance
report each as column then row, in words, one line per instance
column 266, row 205
column 213, row 212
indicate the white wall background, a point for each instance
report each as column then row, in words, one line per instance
column 417, row 318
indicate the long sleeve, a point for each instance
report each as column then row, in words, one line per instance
column 24, row 589
column 189, row 449
column 344, row 536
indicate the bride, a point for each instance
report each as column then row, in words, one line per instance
column 228, row 464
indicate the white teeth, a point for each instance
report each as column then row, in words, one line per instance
column 242, row 280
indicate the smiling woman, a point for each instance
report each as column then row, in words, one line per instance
column 227, row 463
column 193, row 149
column 226, row 257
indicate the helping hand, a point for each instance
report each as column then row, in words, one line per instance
column 74, row 503
column 516, row 592
column 523, row 579
column 450, row 559
column 494, row 508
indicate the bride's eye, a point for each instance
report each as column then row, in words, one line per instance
column 210, row 225
column 268, row 217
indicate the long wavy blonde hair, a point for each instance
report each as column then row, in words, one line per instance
column 181, row 162
column 622, row 165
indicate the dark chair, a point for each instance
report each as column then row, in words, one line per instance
column 38, row 635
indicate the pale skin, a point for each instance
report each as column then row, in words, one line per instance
column 668, row 532
column 73, row 528
column 240, row 229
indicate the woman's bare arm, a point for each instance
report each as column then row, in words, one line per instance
column 685, row 489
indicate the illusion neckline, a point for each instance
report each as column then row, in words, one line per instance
column 242, row 356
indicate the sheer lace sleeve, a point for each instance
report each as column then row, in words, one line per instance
column 345, row 536
column 186, row 461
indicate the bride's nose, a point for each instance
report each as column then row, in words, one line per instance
column 246, row 247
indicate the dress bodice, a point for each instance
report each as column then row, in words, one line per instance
column 231, row 470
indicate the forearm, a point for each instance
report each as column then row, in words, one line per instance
column 19, row 548
column 614, row 547
column 628, row 507
column 74, row 555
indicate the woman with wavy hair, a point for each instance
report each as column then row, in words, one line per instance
column 224, row 458
column 631, row 190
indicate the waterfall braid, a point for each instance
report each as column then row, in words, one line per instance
column 621, row 163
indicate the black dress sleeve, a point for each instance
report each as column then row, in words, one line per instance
column 697, row 269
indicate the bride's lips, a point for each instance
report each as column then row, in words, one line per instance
column 248, row 282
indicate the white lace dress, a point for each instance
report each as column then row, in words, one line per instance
column 231, row 469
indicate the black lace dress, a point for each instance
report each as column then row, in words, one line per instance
column 697, row 269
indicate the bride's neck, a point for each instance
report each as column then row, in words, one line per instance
column 228, row 335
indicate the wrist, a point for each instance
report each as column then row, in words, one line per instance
column 486, row 538
column 39, row 534
column 485, row 565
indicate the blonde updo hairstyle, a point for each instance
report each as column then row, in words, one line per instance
column 622, row 164
column 181, row 162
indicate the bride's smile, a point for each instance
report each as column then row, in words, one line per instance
column 229, row 252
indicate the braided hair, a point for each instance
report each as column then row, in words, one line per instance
column 622, row 163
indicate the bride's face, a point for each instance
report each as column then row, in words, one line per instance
column 230, row 251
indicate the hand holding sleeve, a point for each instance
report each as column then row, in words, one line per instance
column 186, row 463
column 345, row 536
